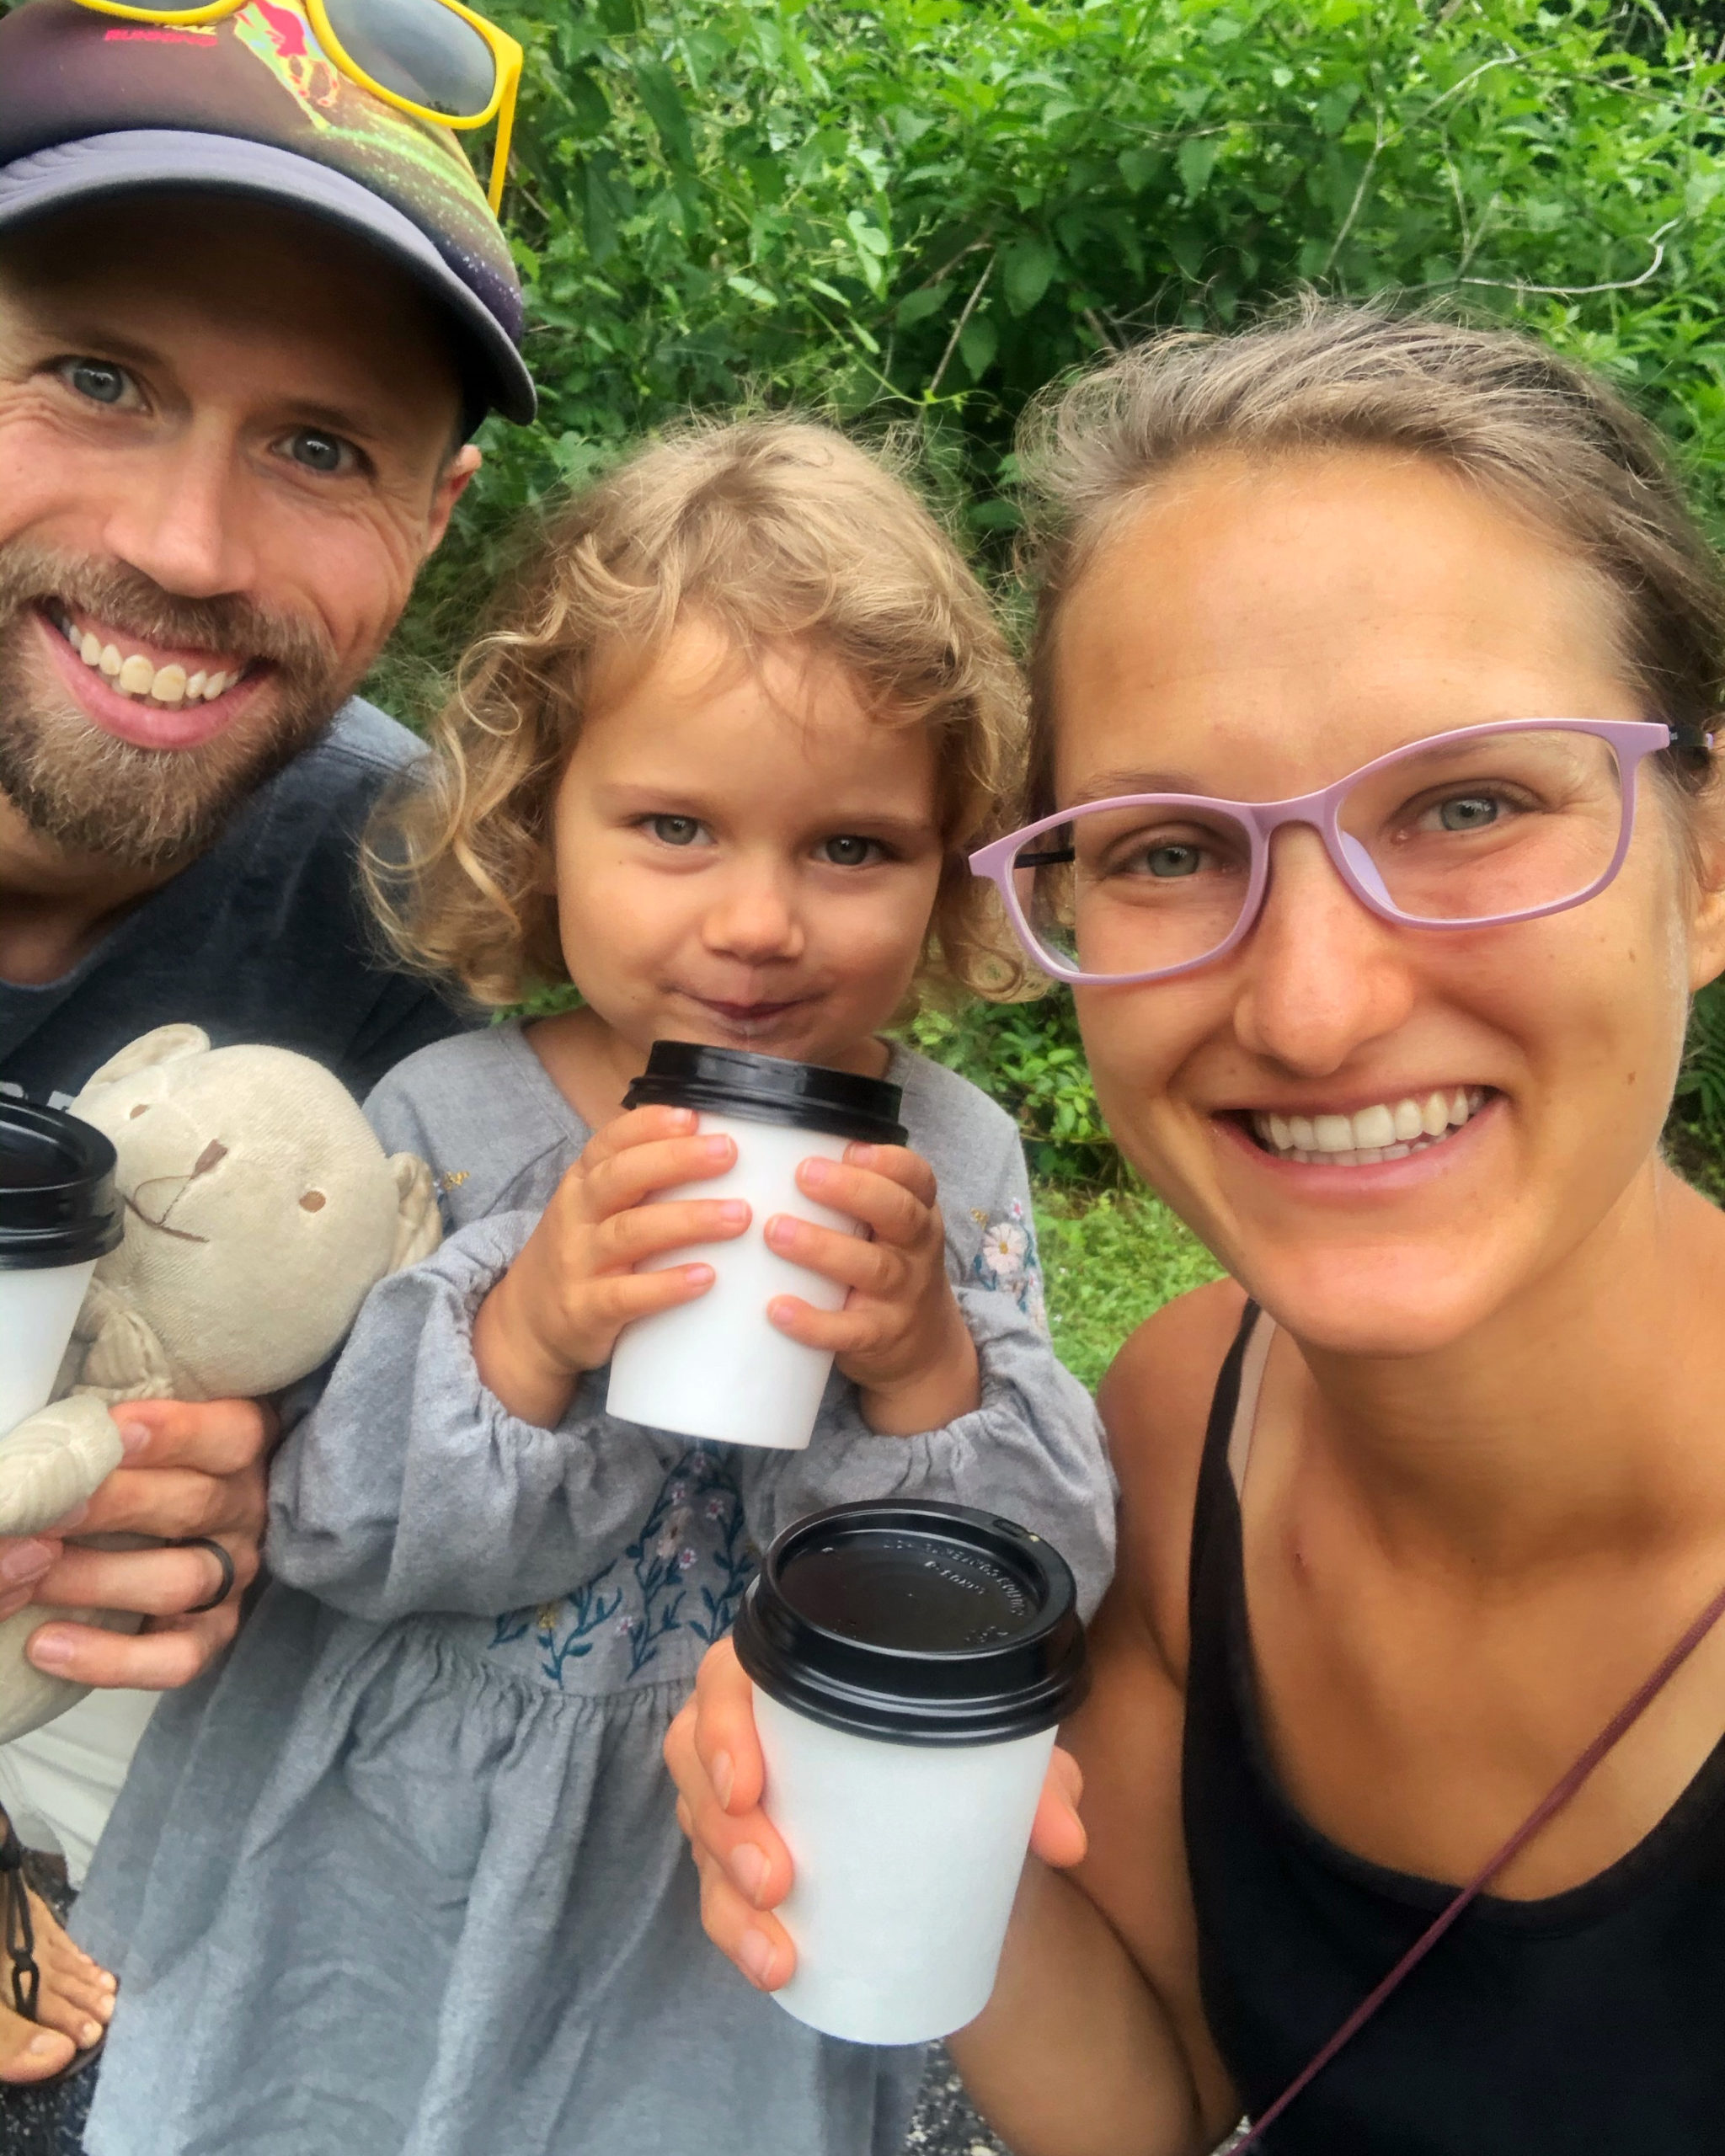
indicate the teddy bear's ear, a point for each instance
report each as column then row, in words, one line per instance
column 166, row 1044
column 419, row 1226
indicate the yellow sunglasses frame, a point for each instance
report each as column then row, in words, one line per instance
column 505, row 52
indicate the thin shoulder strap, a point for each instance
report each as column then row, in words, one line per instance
column 1615, row 1730
column 1251, row 1368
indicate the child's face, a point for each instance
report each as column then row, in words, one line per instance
column 744, row 856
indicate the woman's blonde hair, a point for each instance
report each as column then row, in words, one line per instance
column 1500, row 409
column 779, row 530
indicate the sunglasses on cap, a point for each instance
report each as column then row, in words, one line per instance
column 433, row 60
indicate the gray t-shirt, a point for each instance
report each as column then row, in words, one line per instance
column 404, row 1874
column 263, row 939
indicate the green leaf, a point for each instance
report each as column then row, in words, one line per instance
column 978, row 345
column 1196, row 161
column 603, row 205
column 619, row 17
column 588, row 102
column 752, row 289
column 918, row 306
column 656, row 86
column 1026, row 270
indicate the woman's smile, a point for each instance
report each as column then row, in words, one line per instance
column 1392, row 1129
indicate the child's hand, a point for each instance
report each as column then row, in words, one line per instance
column 900, row 1337
column 559, row 1308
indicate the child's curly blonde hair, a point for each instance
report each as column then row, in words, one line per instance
column 780, row 531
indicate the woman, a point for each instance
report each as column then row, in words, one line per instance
column 1403, row 1532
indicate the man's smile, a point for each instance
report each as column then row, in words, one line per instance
column 153, row 696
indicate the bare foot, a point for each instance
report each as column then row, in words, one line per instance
column 73, row 2007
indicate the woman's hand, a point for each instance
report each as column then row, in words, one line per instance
column 190, row 1470
column 900, row 1338
column 559, row 1308
column 714, row 1757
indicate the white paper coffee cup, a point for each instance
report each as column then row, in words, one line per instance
column 718, row 1368
column 910, row 1662
column 59, row 1214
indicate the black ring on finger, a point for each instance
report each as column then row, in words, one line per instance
column 221, row 1557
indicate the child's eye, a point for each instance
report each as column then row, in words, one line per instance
column 847, row 851
column 674, row 830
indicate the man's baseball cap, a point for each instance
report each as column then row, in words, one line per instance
column 93, row 105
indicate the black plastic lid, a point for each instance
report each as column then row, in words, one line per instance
column 58, row 1205
column 766, row 1088
column 915, row 1623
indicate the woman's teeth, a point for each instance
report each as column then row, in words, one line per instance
column 1389, row 1130
column 135, row 676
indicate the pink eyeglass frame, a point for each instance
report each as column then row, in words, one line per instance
column 1631, row 739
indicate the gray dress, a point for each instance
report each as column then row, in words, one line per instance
column 404, row 1874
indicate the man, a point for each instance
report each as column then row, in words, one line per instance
column 249, row 314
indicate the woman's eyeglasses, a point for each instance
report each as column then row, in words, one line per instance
column 432, row 59
column 1467, row 829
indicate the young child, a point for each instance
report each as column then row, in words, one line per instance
column 409, row 1878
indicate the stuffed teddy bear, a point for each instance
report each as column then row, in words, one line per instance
column 261, row 1211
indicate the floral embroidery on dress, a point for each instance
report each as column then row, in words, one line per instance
column 685, row 1571
column 1007, row 1260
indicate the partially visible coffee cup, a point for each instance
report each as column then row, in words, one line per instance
column 59, row 1213
column 910, row 1661
column 717, row 1367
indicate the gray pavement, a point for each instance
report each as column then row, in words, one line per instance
column 945, row 2125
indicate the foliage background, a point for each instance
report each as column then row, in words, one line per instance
column 914, row 213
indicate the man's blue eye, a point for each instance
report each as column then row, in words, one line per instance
column 93, row 378
column 317, row 452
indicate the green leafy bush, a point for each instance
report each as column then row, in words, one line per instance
column 1108, row 1264
column 921, row 210
column 914, row 213
column 1029, row 1057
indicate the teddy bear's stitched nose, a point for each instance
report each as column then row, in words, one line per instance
column 212, row 1154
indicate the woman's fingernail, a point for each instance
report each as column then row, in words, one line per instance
column 780, row 1229
column 684, row 1118
column 26, row 1561
column 734, row 1212
column 748, row 1867
column 723, row 1777
column 817, row 1171
column 860, row 1155
column 718, row 1149
column 133, row 1437
column 698, row 1276
column 50, row 1649
column 755, row 1952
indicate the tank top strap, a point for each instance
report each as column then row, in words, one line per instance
column 1227, row 1441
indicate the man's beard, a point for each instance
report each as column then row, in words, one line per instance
column 86, row 791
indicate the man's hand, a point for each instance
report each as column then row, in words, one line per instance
column 189, row 1470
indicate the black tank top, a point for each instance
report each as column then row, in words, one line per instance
column 1588, row 2023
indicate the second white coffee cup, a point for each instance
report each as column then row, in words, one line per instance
column 718, row 1368
column 59, row 1213
column 910, row 1660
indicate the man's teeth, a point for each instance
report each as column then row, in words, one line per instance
column 135, row 676
column 1389, row 1130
